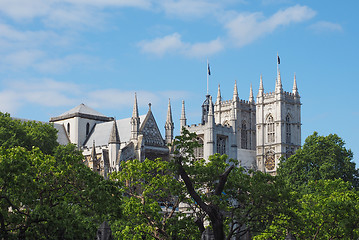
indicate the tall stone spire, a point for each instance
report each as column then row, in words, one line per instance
column 95, row 165
column 295, row 89
column 261, row 89
column 278, row 85
column 169, row 126
column 251, row 98
column 183, row 120
column 235, row 92
column 219, row 97
column 114, row 137
column 135, row 121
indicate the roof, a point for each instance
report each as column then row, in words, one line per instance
column 82, row 111
column 102, row 132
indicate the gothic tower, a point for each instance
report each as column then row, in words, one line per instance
column 278, row 125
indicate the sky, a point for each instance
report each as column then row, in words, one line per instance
column 57, row 54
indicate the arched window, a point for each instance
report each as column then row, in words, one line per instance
column 270, row 129
column 221, row 144
column 244, row 135
column 198, row 151
column 68, row 128
column 87, row 129
column 287, row 129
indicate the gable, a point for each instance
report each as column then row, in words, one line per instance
column 151, row 134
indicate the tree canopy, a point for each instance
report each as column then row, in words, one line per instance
column 321, row 157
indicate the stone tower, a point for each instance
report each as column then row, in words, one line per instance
column 278, row 125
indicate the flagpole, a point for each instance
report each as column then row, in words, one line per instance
column 207, row 75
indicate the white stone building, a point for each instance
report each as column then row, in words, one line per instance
column 257, row 133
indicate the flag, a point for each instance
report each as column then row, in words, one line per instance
column 209, row 70
column 278, row 59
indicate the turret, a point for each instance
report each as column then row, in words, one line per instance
column 261, row 89
column 135, row 121
column 114, row 146
column 169, row 126
column 183, row 120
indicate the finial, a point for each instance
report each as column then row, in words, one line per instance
column 114, row 137
column 169, row 112
column 251, row 98
column 183, row 120
column 219, row 95
column 261, row 89
column 149, row 106
column 278, row 84
column 235, row 91
column 295, row 88
column 135, row 108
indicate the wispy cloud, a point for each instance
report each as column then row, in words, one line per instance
column 246, row 28
column 324, row 26
column 173, row 44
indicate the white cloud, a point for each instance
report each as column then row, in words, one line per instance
column 160, row 46
column 323, row 26
column 173, row 44
column 189, row 8
column 23, row 59
column 246, row 28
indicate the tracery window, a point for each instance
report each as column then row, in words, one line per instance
column 198, row 151
column 244, row 135
column 287, row 129
column 270, row 129
column 221, row 144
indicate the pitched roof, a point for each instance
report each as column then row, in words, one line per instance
column 82, row 111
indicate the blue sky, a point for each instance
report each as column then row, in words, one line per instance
column 56, row 54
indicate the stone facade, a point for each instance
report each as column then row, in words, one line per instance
column 255, row 133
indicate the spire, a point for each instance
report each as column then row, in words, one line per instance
column 295, row 89
column 219, row 95
column 135, row 121
column 169, row 126
column 114, row 137
column 183, row 120
column 251, row 98
column 135, row 108
column 261, row 89
column 278, row 85
column 210, row 117
column 169, row 112
column 235, row 92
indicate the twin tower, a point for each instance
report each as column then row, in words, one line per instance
column 257, row 133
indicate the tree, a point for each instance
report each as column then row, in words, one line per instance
column 328, row 211
column 44, row 197
column 27, row 134
column 151, row 199
column 236, row 201
column 46, row 192
column 319, row 158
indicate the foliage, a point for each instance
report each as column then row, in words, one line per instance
column 320, row 158
column 150, row 203
column 14, row 132
column 46, row 197
column 328, row 211
column 235, row 201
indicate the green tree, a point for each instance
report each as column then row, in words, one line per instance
column 329, row 210
column 44, row 198
column 320, row 158
column 235, row 201
column 27, row 134
column 151, row 200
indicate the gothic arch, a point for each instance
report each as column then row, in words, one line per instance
column 270, row 128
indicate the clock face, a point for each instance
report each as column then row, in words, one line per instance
column 270, row 162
